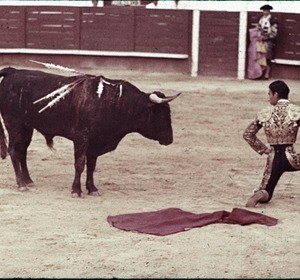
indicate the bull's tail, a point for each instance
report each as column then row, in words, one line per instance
column 3, row 142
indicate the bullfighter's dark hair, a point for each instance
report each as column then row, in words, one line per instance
column 281, row 88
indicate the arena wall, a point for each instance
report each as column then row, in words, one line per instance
column 137, row 38
column 218, row 43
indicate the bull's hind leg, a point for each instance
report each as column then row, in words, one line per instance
column 80, row 148
column 19, row 140
column 23, row 159
column 90, row 168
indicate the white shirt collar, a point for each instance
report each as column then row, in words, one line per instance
column 283, row 100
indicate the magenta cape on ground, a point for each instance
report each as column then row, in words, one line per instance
column 173, row 220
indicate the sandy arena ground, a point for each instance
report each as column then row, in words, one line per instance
column 209, row 167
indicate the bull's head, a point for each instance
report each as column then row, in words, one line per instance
column 157, row 123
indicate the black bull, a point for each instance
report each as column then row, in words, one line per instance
column 95, row 120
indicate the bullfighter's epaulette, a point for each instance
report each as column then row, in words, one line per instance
column 294, row 112
column 265, row 114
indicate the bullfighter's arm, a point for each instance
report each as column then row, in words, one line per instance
column 250, row 136
column 274, row 31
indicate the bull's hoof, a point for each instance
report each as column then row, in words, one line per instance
column 30, row 185
column 23, row 189
column 95, row 193
column 76, row 195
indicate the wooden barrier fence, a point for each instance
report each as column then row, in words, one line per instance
column 218, row 46
column 140, row 32
column 106, row 28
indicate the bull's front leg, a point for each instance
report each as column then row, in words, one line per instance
column 80, row 148
column 19, row 140
column 15, row 159
column 91, row 164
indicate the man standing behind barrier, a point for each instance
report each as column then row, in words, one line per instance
column 280, row 122
column 268, row 27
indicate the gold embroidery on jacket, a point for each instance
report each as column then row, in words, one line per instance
column 281, row 127
column 293, row 157
column 268, row 169
column 294, row 112
column 250, row 136
column 265, row 114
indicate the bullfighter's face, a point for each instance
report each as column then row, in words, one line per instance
column 266, row 12
column 273, row 97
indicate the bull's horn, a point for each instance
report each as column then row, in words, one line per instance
column 159, row 100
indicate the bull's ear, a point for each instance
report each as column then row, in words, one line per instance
column 154, row 98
